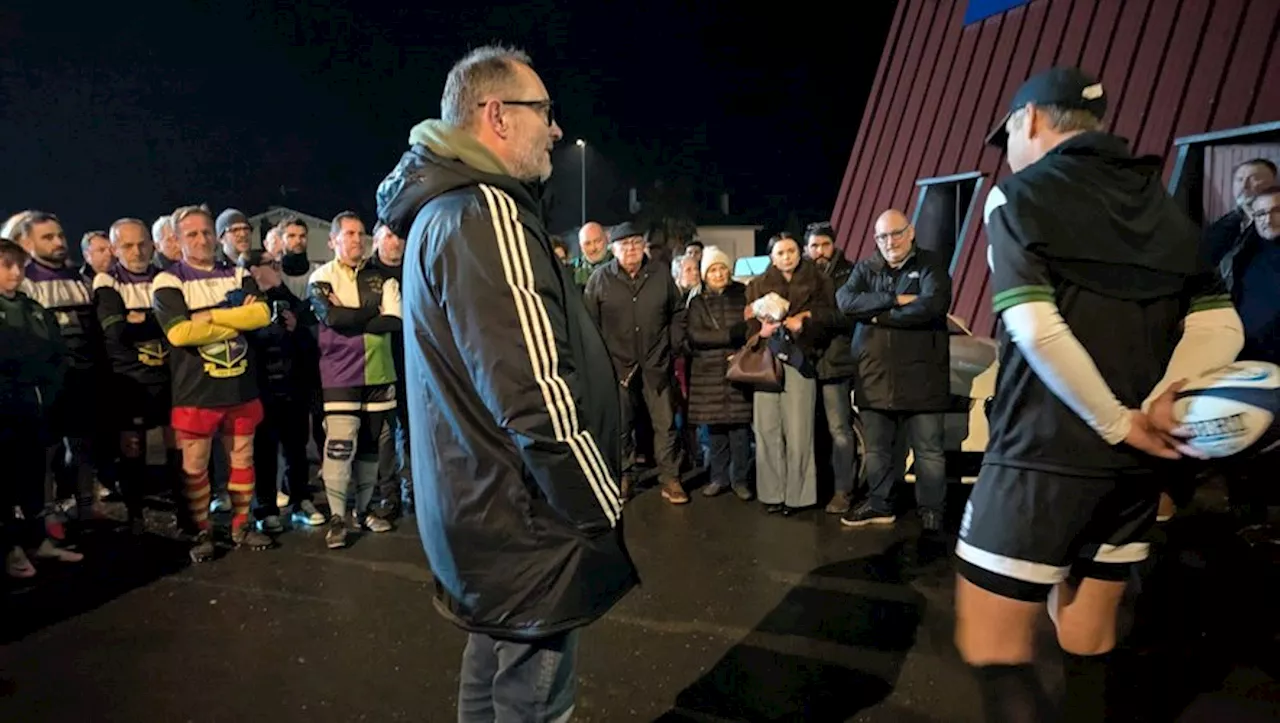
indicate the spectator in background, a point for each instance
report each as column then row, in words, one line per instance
column 358, row 309
column 593, row 248
column 206, row 308
column 560, row 250
column 395, row 479
column 168, row 250
column 284, row 350
column 635, row 301
column 233, row 231
column 1236, row 228
column 688, row 276
column 31, row 364
column 786, row 480
column 714, row 329
column 899, row 297
column 835, row 368
column 95, row 249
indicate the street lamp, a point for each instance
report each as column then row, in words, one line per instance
column 583, row 145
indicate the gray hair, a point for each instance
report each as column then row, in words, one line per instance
column 114, row 233
column 160, row 226
column 481, row 73
column 88, row 238
column 12, row 228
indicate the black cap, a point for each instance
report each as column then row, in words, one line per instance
column 1070, row 88
column 626, row 229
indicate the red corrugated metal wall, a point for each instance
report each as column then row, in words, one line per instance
column 1171, row 68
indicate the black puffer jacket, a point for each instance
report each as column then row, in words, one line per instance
column 714, row 329
column 903, row 352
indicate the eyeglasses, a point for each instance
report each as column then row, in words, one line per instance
column 1259, row 215
column 545, row 106
column 882, row 237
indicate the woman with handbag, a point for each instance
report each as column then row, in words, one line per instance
column 789, row 307
column 714, row 330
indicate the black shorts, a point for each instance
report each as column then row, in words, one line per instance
column 1026, row 530
column 143, row 406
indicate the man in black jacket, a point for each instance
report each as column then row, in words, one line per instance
column 511, row 396
column 836, row 369
column 900, row 297
column 1106, row 304
column 286, row 356
column 635, row 301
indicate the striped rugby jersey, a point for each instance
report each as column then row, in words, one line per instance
column 215, row 374
column 355, row 335
column 65, row 293
column 137, row 351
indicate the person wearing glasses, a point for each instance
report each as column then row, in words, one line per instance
column 1252, row 275
column 516, row 446
column 899, row 299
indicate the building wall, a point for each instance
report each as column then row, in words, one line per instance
column 1171, row 68
column 738, row 241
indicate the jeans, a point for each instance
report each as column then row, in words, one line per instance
column 395, row 474
column 838, row 408
column 785, row 472
column 507, row 681
column 284, row 429
column 924, row 432
column 729, row 458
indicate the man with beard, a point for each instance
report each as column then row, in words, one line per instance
column 137, row 355
column 836, row 368
column 62, row 290
column 515, row 416
column 394, row 478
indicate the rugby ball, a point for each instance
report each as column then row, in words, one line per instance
column 1232, row 410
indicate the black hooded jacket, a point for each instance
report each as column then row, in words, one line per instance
column 1090, row 229
column 512, row 400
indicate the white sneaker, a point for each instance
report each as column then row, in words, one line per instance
column 307, row 514
column 282, row 500
column 17, row 564
column 49, row 551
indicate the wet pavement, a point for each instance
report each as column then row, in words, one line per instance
column 742, row 617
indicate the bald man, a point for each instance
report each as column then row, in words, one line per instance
column 593, row 242
column 899, row 298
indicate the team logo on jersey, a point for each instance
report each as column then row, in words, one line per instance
column 152, row 353
column 375, row 284
column 225, row 359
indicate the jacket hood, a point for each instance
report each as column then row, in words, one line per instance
column 440, row 159
column 1127, row 237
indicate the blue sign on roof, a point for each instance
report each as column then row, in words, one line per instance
column 982, row 9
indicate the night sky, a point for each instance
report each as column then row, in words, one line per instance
column 110, row 111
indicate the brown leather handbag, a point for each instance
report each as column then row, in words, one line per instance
column 755, row 365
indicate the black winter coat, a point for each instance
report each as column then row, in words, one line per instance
column 714, row 329
column 514, row 408
column 837, row 362
column 903, row 352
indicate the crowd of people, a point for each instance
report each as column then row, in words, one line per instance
column 121, row 374
column 525, row 376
